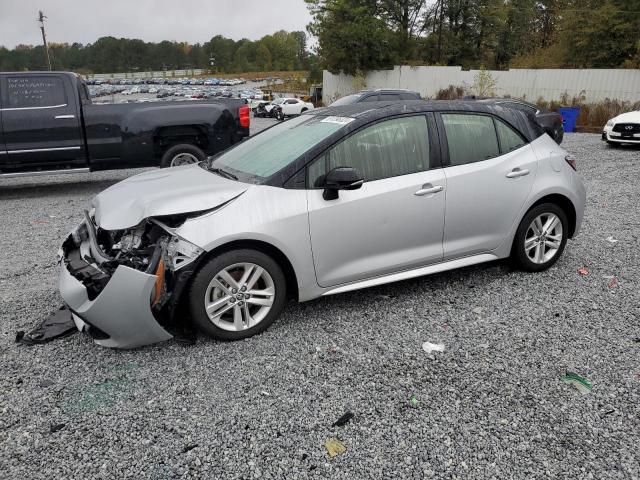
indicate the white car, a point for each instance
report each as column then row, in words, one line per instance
column 295, row 106
column 625, row 128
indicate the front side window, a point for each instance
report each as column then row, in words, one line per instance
column 262, row 155
column 471, row 138
column 387, row 149
column 35, row 91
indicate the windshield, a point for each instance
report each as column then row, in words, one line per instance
column 348, row 100
column 263, row 155
column 278, row 101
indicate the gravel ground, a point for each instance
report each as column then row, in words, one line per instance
column 491, row 405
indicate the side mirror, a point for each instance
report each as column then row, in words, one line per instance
column 341, row 178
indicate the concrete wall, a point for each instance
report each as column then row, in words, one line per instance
column 530, row 84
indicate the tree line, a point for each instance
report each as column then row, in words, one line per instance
column 281, row 51
column 360, row 35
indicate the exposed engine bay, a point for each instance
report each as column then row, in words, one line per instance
column 92, row 255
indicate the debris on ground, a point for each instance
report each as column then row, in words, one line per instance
column 334, row 447
column 611, row 240
column 414, row 402
column 583, row 271
column 264, row 393
column 582, row 384
column 189, row 448
column 47, row 383
column 343, row 420
column 432, row 347
column 56, row 427
column 612, row 283
column 58, row 325
column 477, row 310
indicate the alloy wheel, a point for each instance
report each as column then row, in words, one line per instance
column 239, row 297
column 543, row 238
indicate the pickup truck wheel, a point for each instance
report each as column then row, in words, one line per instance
column 182, row 154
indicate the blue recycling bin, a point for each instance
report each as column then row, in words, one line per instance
column 569, row 118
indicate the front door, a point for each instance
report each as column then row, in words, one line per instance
column 40, row 122
column 395, row 221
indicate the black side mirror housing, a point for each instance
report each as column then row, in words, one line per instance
column 341, row 178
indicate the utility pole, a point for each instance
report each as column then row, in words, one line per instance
column 41, row 18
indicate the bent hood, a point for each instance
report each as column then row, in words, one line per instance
column 168, row 191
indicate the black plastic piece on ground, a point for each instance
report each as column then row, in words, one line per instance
column 343, row 420
column 58, row 325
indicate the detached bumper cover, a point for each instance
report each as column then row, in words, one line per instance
column 122, row 310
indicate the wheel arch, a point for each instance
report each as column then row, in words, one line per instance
column 565, row 204
column 268, row 249
column 167, row 136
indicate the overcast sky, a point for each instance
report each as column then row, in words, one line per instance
column 193, row 21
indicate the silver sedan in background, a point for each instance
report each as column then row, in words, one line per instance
column 335, row 200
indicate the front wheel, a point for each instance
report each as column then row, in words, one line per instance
column 237, row 295
column 540, row 238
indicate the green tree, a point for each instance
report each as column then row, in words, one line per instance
column 351, row 37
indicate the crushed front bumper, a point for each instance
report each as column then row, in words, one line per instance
column 121, row 312
column 114, row 309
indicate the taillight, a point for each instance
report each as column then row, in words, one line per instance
column 245, row 116
column 571, row 160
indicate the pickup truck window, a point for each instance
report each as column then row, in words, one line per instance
column 35, row 92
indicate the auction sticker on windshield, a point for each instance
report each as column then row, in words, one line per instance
column 339, row 120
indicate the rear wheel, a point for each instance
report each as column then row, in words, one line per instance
column 237, row 295
column 182, row 154
column 540, row 238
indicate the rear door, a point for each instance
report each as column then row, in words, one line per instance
column 490, row 169
column 41, row 124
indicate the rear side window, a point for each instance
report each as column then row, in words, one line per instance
column 389, row 97
column 387, row 149
column 35, row 91
column 509, row 139
column 471, row 138
column 370, row 98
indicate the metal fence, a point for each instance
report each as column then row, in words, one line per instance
column 530, row 84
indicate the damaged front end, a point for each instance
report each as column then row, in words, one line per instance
column 123, row 286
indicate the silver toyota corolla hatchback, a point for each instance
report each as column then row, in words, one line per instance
column 335, row 200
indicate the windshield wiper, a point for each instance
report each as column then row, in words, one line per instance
column 223, row 173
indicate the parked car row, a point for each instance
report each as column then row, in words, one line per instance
column 165, row 91
column 168, row 81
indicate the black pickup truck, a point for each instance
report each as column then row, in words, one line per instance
column 49, row 125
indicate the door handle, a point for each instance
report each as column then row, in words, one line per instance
column 516, row 172
column 427, row 189
column 63, row 117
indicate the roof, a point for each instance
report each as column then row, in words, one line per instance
column 370, row 111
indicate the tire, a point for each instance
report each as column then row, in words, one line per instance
column 530, row 260
column 186, row 150
column 209, row 288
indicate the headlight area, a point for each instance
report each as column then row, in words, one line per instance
column 92, row 256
